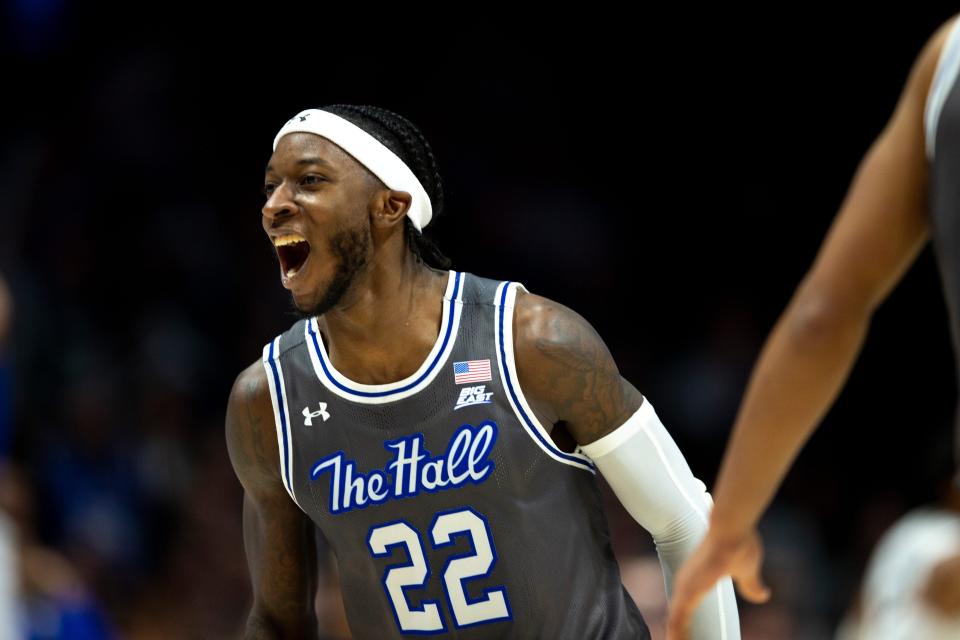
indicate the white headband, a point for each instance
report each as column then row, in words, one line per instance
column 369, row 152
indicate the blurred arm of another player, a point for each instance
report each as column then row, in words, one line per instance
column 275, row 530
column 881, row 227
column 569, row 376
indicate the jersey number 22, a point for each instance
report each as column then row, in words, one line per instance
column 492, row 604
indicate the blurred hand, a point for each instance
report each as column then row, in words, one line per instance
column 942, row 590
column 738, row 558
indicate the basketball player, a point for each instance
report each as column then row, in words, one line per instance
column 441, row 430
column 905, row 190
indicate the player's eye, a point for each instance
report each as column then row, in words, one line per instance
column 268, row 189
column 311, row 179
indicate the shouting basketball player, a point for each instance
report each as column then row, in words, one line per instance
column 441, row 430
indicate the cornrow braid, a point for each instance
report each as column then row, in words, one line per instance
column 403, row 138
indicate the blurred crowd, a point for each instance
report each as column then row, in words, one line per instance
column 119, row 513
column 110, row 531
column 137, row 285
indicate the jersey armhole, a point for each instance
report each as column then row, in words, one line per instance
column 504, row 305
column 281, row 413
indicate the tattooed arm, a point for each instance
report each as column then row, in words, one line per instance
column 276, row 533
column 567, row 372
column 569, row 377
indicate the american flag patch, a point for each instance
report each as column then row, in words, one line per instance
column 471, row 371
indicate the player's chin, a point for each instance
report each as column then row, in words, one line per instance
column 303, row 301
column 307, row 299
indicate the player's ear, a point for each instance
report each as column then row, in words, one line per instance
column 390, row 207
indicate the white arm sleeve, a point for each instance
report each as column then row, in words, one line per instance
column 650, row 477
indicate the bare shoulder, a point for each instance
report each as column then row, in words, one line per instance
column 546, row 328
column 251, row 433
column 926, row 62
column 938, row 38
column 565, row 366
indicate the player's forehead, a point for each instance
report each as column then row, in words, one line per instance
column 300, row 148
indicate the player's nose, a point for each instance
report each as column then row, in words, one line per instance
column 279, row 203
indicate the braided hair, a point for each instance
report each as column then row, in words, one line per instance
column 404, row 139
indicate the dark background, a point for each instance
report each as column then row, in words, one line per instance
column 667, row 174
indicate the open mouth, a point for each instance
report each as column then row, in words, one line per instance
column 292, row 250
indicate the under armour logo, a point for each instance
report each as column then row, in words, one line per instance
column 308, row 416
column 298, row 118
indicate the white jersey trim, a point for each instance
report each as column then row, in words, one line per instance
column 281, row 413
column 948, row 65
column 503, row 321
column 344, row 387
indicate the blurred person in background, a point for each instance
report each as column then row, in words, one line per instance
column 54, row 601
column 905, row 190
column 910, row 588
column 42, row 596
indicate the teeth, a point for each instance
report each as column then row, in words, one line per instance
column 291, row 273
column 282, row 241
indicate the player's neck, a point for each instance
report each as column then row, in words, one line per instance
column 389, row 324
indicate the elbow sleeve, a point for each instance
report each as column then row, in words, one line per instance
column 653, row 481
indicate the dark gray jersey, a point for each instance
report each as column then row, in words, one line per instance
column 942, row 125
column 448, row 506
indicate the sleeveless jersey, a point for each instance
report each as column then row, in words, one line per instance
column 448, row 507
column 942, row 128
